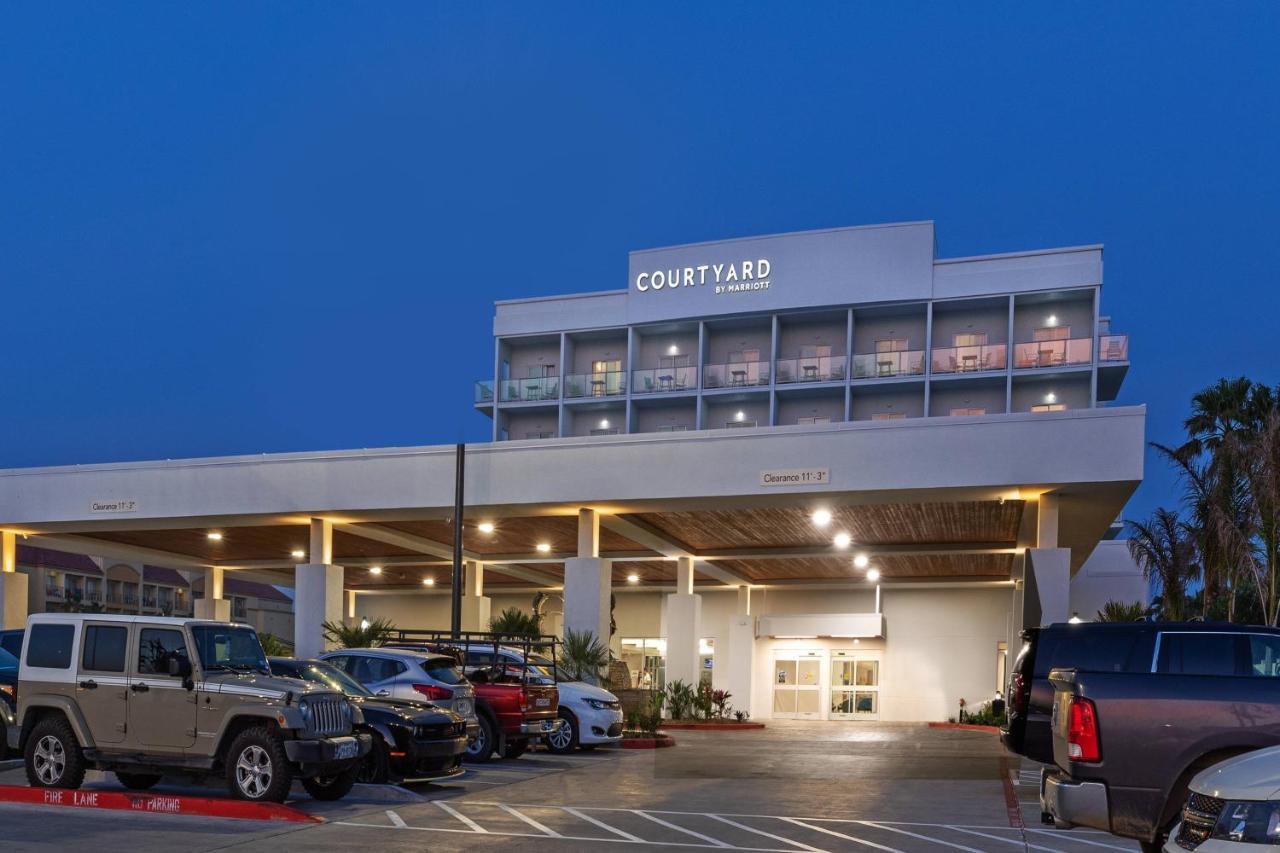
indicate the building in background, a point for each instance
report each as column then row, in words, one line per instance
column 258, row 604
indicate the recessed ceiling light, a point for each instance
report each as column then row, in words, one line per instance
column 485, row 527
column 860, row 561
column 375, row 570
column 428, row 581
column 873, row 575
column 633, row 578
column 821, row 517
column 544, row 548
column 1051, row 320
column 214, row 535
column 297, row 553
column 842, row 540
column 604, row 423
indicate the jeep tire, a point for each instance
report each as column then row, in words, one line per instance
column 332, row 787
column 257, row 768
column 53, row 756
column 138, row 781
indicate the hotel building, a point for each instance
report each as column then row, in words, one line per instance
column 828, row 471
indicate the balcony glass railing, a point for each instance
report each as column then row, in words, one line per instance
column 877, row 365
column 1113, row 348
column 484, row 391
column 540, row 388
column 826, row 368
column 654, row 380
column 735, row 374
column 970, row 359
column 1053, row 353
column 608, row 384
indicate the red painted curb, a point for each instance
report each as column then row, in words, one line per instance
column 154, row 804
column 965, row 727
column 659, row 742
column 711, row 727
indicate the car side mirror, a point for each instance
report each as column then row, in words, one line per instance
column 180, row 667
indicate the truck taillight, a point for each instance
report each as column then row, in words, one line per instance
column 1019, row 695
column 524, row 700
column 431, row 691
column 1083, row 743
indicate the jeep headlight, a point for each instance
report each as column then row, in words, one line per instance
column 305, row 710
column 1249, row 822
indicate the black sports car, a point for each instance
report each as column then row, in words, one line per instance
column 413, row 740
column 8, row 696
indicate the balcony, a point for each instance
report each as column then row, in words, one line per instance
column 484, row 391
column 969, row 359
column 824, row 368
column 528, row 390
column 53, row 592
column 1113, row 348
column 607, row 384
column 656, row 380
column 879, row 365
column 735, row 374
column 1061, row 353
column 149, row 602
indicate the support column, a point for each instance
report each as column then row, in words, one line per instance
column 741, row 658
column 1047, row 521
column 1047, row 586
column 588, row 581
column 213, row 605
column 476, row 606
column 684, row 627
column 318, row 594
column 351, row 607
column 13, row 584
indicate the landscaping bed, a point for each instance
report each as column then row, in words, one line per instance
column 644, row 740
column 967, row 727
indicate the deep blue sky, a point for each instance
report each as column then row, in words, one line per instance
column 240, row 228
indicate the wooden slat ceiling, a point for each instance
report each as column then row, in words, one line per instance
column 869, row 524
column 892, row 568
column 274, row 542
column 515, row 535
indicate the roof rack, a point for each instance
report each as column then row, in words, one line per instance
column 452, row 643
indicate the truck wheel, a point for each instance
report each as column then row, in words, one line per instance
column 332, row 787
column 53, row 755
column 564, row 740
column 481, row 749
column 257, row 768
column 375, row 769
column 515, row 748
column 138, row 781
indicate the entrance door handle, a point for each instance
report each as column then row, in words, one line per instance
column 90, row 684
column 139, row 688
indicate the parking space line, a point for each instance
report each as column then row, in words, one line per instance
column 1021, row 842
column 448, row 809
column 589, row 819
column 1075, row 838
column 888, row 828
column 396, row 820
column 799, row 844
column 524, row 817
column 845, row 836
column 715, row 841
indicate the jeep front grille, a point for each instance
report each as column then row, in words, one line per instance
column 1198, row 820
column 327, row 717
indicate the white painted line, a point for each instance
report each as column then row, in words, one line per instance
column 1025, row 845
column 713, row 841
column 1065, row 836
column 888, row 828
column 862, row 841
column 546, row 830
column 799, row 844
column 596, row 839
column 589, row 819
column 396, row 820
column 448, row 809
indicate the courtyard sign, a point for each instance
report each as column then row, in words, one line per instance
column 740, row 277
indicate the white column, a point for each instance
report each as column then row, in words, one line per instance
column 318, row 594
column 213, row 605
column 588, row 581
column 740, row 660
column 351, row 607
column 476, row 606
column 1047, row 586
column 684, row 627
column 13, row 584
column 1047, row 521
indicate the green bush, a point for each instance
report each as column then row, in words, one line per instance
column 984, row 716
column 681, row 699
column 648, row 718
column 346, row 636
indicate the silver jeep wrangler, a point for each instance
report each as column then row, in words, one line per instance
column 147, row 697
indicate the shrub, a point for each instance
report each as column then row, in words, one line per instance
column 517, row 623
column 582, row 656
column 680, row 699
column 720, row 698
column 346, row 636
column 704, row 702
column 1119, row 611
column 741, row 716
column 984, row 716
column 648, row 718
column 274, row 647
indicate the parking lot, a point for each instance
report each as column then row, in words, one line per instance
column 794, row 786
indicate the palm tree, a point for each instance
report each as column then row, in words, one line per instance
column 583, row 656
column 1119, row 611
column 363, row 636
column 516, row 622
column 1165, row 549
column 1254, row 540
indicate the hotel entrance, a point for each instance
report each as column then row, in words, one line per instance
column 850, row 689
column 797, row 684
column 855, row 685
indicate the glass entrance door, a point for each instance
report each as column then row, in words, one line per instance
column 796, row 681
column 855, row 685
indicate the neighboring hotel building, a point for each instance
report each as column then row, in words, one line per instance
column 834, row 472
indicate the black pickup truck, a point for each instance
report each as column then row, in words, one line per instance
column 1126, row 743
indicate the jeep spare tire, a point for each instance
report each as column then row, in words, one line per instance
column 257, row 768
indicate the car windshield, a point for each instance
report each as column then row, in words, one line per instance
column 228, row 647
column 323, row 673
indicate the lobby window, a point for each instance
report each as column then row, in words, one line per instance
column 967, row 411
column 646, row 660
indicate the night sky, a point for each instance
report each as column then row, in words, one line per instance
column 232, row 228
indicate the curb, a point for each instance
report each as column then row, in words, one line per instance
column 965, row 727
column 154, row 804
column 659, row 742
column 712, row 727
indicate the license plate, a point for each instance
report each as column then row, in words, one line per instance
column 347, row 749
column 543, row 703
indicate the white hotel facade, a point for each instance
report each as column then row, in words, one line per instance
column 828, row 471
